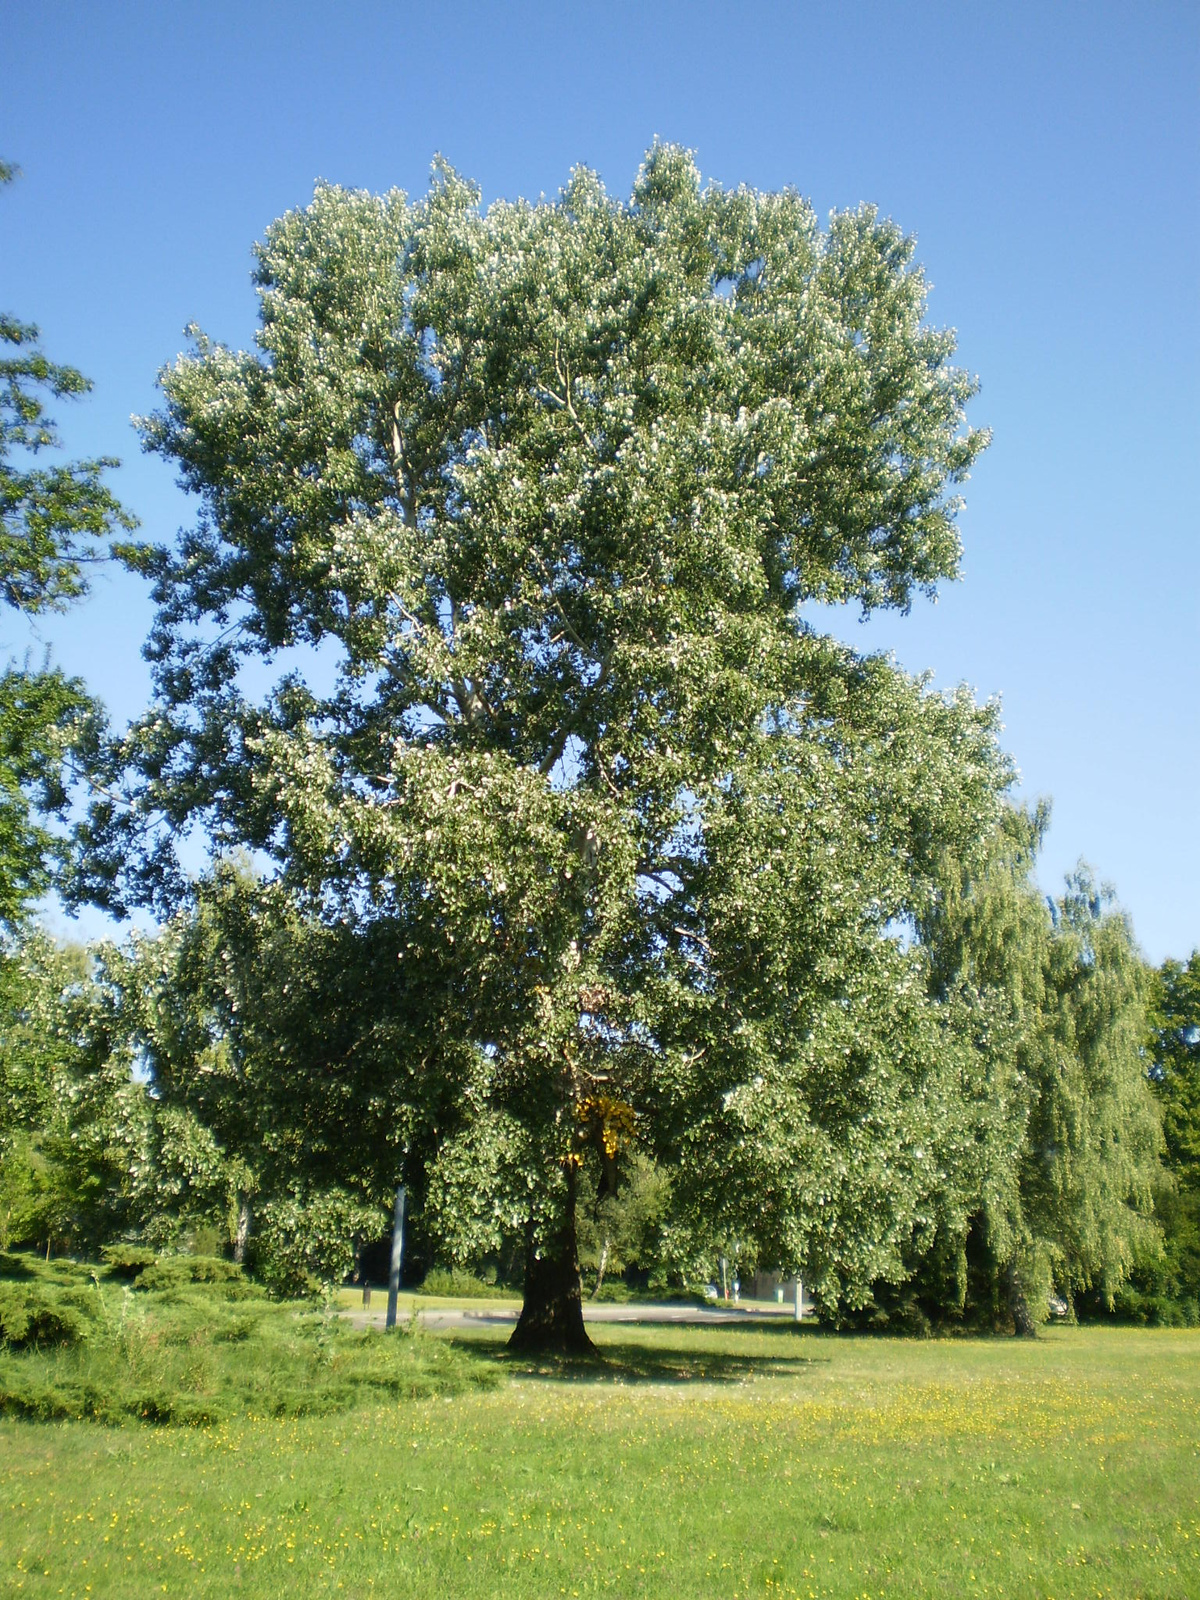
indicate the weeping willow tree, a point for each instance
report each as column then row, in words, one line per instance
column 1049, row 1184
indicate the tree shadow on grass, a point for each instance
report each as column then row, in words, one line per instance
column 675, row 1359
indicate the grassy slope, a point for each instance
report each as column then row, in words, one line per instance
column 706, row 1461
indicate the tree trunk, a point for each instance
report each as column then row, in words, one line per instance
column 551, row 1320
column 601, row 1267
column 1023, row 1324
column 243, row 1231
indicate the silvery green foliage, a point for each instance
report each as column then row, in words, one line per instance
column 185, row 1180
column 307, row 1240
column 621, row 1225
column 546, row 489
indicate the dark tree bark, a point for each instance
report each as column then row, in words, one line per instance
column 1023, row 1324
column 551, row 1321
column 242, row 1235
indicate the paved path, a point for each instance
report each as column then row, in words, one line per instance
column 444, row 1318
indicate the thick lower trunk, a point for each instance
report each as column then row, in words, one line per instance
column 551, row 1320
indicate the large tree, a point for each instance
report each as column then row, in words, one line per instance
column 61, row 1091
column 496, row 632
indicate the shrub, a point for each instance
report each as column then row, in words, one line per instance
column 35, row 1314
column 615, row 1291
column 128, row 1260
column 171, row 1272
column 1156, row 1310
column 202, row 1350
column 454, row 1282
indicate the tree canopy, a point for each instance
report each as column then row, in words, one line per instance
column 497, row 640
column 50, row 517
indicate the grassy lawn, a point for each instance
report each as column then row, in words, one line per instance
column 407, row 1302
column 706, row 1461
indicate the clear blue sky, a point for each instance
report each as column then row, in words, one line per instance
column 1046, row 156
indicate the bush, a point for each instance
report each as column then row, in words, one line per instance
column 171, row 1272
column 34, row 1314
column 454, row 1283
column 614, row 1291
column 127, row 1260
column 204, row 1348
column 1155, row 1310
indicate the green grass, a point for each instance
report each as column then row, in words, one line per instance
column 707, row 1461
column 409, row 1301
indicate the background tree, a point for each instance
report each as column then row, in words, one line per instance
column 621, row 1218
column 1050, row 1180
column 817, row 1100
column 546, row 489
column 1174, row 1016
column 1097, row 1136
column 75, row 1127
column 1167, row 1289
column 50, row 517
column 69, row 1118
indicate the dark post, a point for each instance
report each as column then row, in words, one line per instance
column 397, row 1253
